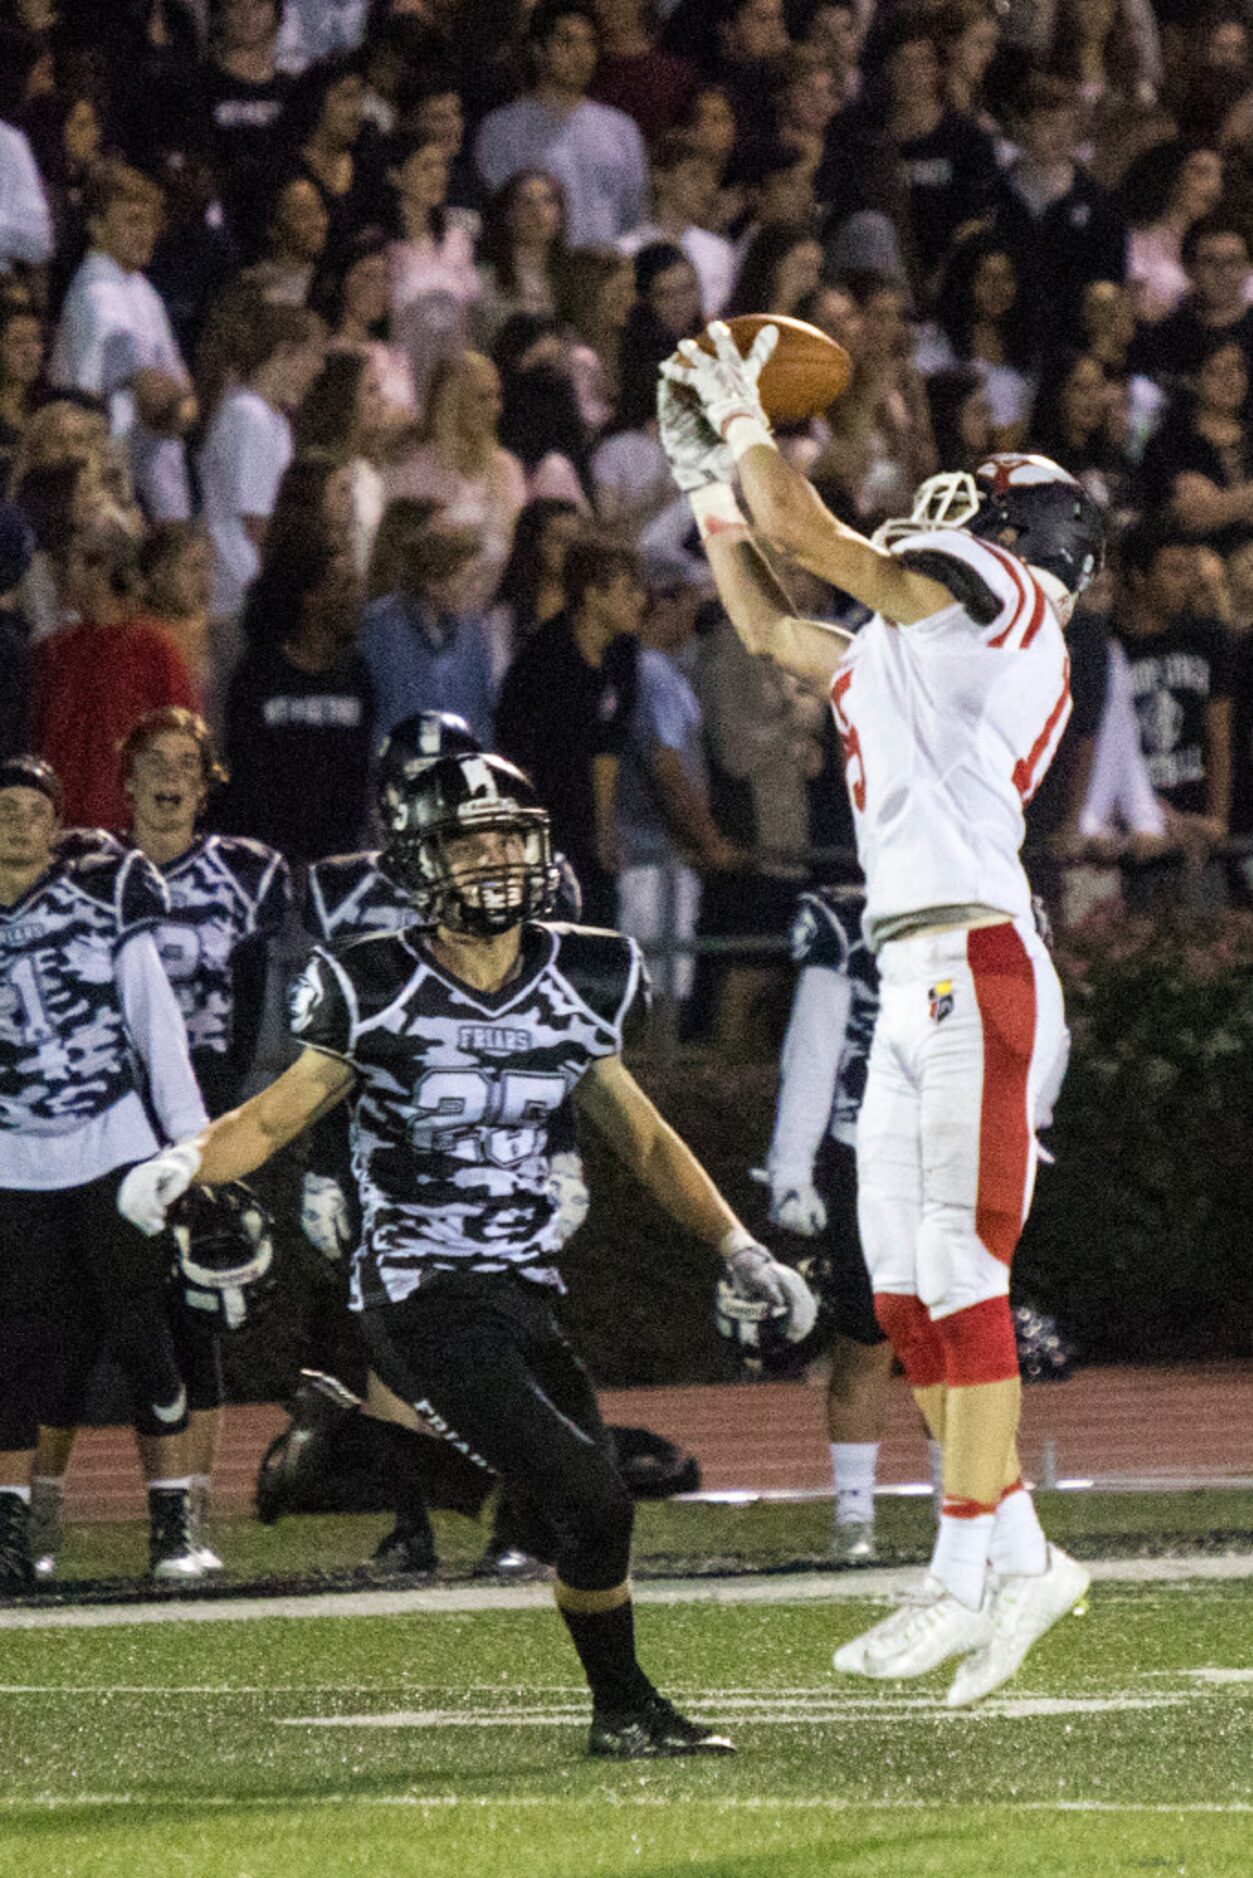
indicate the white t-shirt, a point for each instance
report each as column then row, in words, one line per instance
column 113, row 324
column 25, row 220
column 248, row 447
column 948, row 727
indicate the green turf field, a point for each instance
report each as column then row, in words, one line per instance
column 302, row 1746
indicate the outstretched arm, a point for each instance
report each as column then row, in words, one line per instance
column 243, row 1140
column 757, row 603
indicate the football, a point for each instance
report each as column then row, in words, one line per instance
column 806, row 372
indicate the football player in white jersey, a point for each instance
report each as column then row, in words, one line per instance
column 459, row 1044
column 950, row 702
column 228, row 899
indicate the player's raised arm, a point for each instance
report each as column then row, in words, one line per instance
column 663, row 1163
column 783, row 507
column 238, row 1142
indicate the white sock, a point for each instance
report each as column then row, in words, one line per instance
column 937, row 1474
column 201, row 1483
column 852, row 1471
column 1018, row 1545
column 170, row 1486
column 960, row 1559
column 19, row 1493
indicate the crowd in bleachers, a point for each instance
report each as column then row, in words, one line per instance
column 329, row 335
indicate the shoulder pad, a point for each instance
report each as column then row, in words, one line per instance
column 247, row 859
column 992, row 586
column 125, row 881
column 964, row 582
column 607, row 971
column 73, row 844
column 376, row 965
column 825, row 931
column 330, row 886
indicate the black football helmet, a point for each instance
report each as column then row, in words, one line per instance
column 224, row 1256
column 1037, row 510
column 413, row 745
column 757, row 1329
column 429, row 857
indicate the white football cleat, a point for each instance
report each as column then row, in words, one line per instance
column 853, row 1542
column 1023, row 1608
column 929, row 1627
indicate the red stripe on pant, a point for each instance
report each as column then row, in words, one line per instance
column 906, row 1323
column 1005, row 993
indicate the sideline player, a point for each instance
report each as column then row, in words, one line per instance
column 950, row 703
column 813, row 1188
column 91, row 1040
column 228, row 897
column 460, row 1043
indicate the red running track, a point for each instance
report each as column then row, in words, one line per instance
column 1123, row 1426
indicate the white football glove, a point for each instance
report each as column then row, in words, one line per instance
column 698, row 458
column 754, row 1273
column 150, row 1190
column 569, row 1190
column 324, row 1216
column 725, row 381
column 798, row 1207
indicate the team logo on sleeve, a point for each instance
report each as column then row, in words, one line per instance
column 306, row 995
column 940, row 1000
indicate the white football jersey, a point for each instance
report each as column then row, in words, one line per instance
column 948, row 726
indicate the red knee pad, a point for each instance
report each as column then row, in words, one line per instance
column 907, row 1325
column 979, row 1344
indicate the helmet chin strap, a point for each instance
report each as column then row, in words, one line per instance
column 1063, row 600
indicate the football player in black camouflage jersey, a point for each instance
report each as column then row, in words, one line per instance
column 94, row 1072
column 457, row 1045
column 228, row 898
column 813, row 1187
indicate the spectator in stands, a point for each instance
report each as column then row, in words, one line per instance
column 67, row 131
column 176, row 574
column 432, row 283
column 1061, row 228
column 195, row 259
column 249, row 443
column 325, row 121
column 595, row 152
column 1215, row 256
column 684, row 182
column 245, row 100
column 95, row 679
column 565, row 712
column 1112, row 69
column 983, row 319
column 961, row 421
column 115, row 340
column 532, row 588
column 402, row 520
column 771, row 179
column 1180, row 662
column 17, row 547
column 342, row 416
column 904, row 120
column 296, row 234
column 967, row 35
column 781, row 267
column 806, row 98
column 541, row 425
column 1166, row 192
column 881, row 445
column 667, row 837
column 314, row 505
column 436, row 115
column 1198, row 468
column 352, row 295
column 735, row 44
column 630, row 472
column 1079, row 419
column 21, row 368
column 1109, row 330
column 299, row 709
column 634, row 73
column 25, row 223
column 459, row 463
column 425, row 649
column 522, row 252
column 597, row 294
column 710, row 124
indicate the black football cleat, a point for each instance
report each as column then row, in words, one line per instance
column 408, row 1550
column 653, row 1731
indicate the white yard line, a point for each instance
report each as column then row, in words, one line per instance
column 141, row 1803
column 773, row 1588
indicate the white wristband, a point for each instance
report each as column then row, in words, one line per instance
column 735, row 1239
column 744, row 434
column 716, row 509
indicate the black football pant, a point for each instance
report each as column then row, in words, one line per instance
column 69, row 1250
column 485, row 1363
column 839, row 1272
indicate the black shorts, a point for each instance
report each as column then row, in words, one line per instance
column 838, row 1271
column 484, row 1361
column 65, row 1253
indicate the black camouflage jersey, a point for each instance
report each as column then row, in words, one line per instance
column 65, row 1056
column 826, row 933
column 348, row 896
column 458, row 1090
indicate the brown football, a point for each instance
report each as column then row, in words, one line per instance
column 806, row 372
